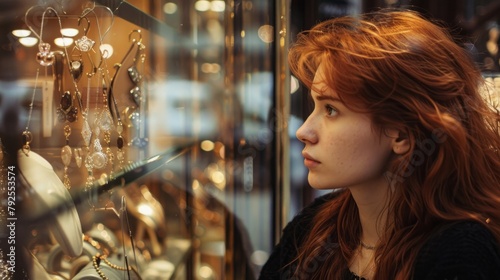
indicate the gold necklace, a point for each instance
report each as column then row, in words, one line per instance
column 369, row 265
column 368, row 247
column 96, row 262
column 114, row 266
column 97, row 245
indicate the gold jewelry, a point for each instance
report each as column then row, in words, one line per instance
column 114, row 266
column 120, row 153
column 106, row 122
column 367, row 247
column 66, row 155
column 96, row 262
column 368, row 262
column 96, row 244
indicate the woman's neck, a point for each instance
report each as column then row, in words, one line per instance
column 371, row 201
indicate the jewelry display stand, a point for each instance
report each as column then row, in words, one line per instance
column 46, row 193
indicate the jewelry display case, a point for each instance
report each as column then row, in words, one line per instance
column 151, row 143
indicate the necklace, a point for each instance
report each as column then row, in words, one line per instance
column 96, row 262
column 362, row 265
column 367, row 247
column 27, row 136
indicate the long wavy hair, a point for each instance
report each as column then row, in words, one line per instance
column 407, row 73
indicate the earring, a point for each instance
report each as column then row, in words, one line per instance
column 76, row 68
column 84, row 44
column 135, row 95
column 44, row 56
column 134, row 74
column 66, row 155
column 78, row 156
column 66, row 110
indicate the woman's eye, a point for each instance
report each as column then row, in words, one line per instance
column 331, row 110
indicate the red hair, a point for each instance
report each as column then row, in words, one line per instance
column 406, row 73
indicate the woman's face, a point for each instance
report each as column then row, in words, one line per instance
column 342, row 148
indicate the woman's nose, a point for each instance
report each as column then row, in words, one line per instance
column 306, row 132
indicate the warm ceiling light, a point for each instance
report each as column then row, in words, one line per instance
column 207, row 145
column 170, row 8
column 28, row 41
column 218, row 6
column 63, row 42
column 266, row 33
column 21, row 33
column 202, row 5
column 69, row 32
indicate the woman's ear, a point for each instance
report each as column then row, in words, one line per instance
column 400, row 143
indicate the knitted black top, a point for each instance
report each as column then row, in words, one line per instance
column 464, row 250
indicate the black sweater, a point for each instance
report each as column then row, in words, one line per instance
column 463, row 250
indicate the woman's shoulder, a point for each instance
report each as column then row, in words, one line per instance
column 278, row 265
column 461, row 234
column 459, row 250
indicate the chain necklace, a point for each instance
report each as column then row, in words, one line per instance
column 96, row 262
column 368, row 247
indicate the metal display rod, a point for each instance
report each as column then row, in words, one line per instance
column 134, row 15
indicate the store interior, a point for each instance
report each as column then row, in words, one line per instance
column 156, row 139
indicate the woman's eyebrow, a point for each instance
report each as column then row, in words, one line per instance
column 321, row 97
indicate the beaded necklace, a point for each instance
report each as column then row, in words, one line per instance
column 96, row 262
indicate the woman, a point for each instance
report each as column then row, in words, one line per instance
column 402, row 134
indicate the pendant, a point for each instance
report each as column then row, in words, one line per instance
column 134, row 75
column 84, row 44
column 45, row 57
column 135, row 95
column 86, row 132
column 76, row 69
column 99, row 160
column 66, row 110
column 78, row 157
column 66, row 155
column 106, row 121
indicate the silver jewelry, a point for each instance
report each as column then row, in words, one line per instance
column 44, row 56
column 27, row 136
column 84, row 44
column 76, row 68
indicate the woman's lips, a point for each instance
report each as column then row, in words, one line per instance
column 309, row 161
